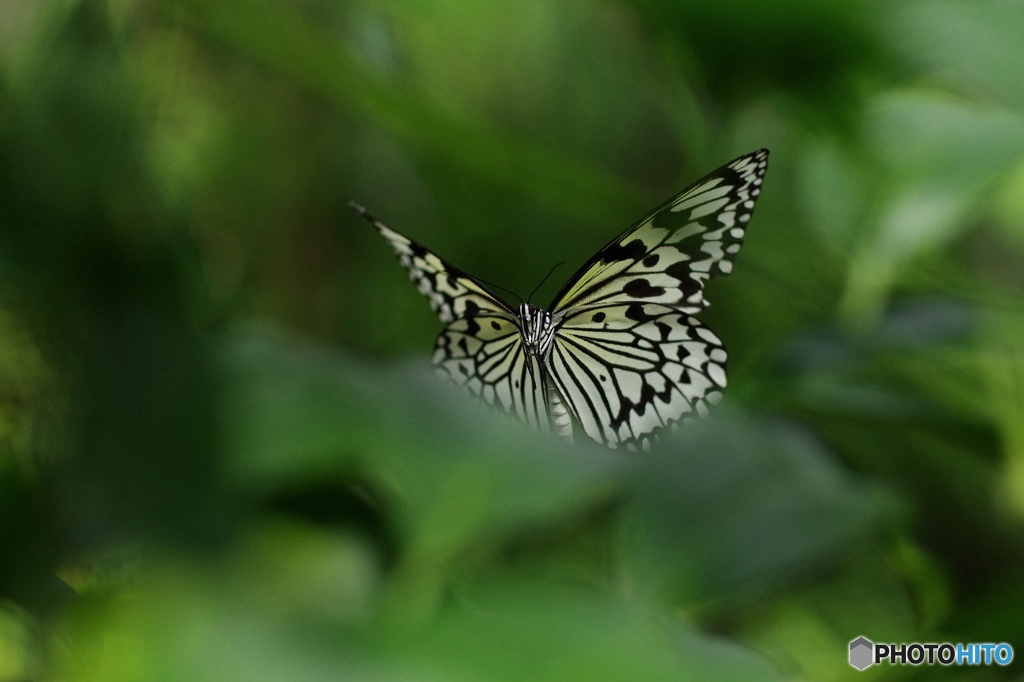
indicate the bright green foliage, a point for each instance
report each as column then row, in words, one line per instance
column 216, row 464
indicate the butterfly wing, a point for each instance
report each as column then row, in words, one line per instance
column 667, row 256
column 484, row 353
column 452, row 293
column 481, row 347
column 629, row 357
column 626, row 370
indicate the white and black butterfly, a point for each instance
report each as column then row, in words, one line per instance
column 619, row 351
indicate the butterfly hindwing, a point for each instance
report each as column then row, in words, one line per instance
column 666, row 257
column 484, row 353
column 626, row 370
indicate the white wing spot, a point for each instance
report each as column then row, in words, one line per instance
column 708, row 208
column 707, row 335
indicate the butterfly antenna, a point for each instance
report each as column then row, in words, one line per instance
column 507, row 291
column 550, row 272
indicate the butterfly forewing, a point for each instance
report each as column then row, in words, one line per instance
column 453, row 294
column 666, row 257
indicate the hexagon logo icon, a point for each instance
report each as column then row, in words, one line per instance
column 862, row 652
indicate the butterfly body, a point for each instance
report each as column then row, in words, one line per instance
column 537, row 329
column 620, row 351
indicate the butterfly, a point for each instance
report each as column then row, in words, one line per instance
column 620, row 352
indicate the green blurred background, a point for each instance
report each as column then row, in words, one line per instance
column 223, row 454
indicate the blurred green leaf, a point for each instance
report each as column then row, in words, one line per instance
column 462, row 474
column 739, row 507
column 941, row 159
column 278, row 37
column 508, row 632
column 501, row 632
column 969, row 48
